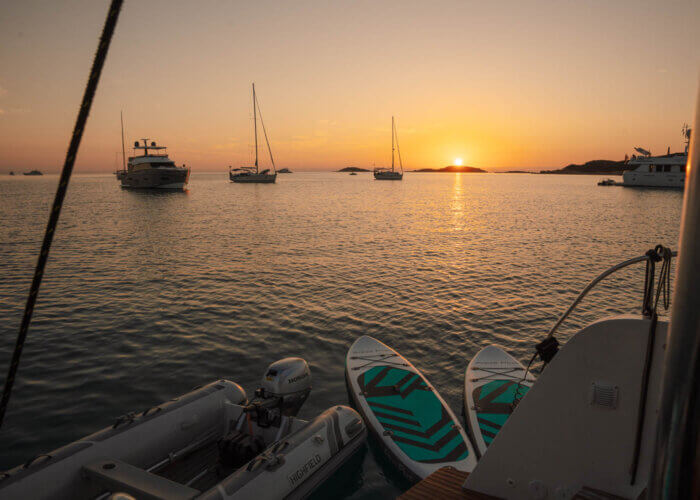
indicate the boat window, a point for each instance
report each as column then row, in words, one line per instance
column 667, row 168
column 683, row 168
column 651, row 168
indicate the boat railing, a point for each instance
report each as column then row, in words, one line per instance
column 652, row 256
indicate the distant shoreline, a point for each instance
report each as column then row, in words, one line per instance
column 352, row 169
column 594, row 167
column 453, row 169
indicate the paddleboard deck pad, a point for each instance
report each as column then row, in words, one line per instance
column 493, row 385
column 412, row 423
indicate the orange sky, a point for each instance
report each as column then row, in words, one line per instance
column 500, row 84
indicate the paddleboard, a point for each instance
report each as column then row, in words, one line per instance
column 412, row 423
column 493, row 384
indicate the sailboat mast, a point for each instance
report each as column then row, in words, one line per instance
column 392, row 143
column 121, row 117
column 398, row 148
column 255, row 121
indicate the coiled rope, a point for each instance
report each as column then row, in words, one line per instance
column 89, row 94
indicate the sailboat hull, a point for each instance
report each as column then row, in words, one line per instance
column 388, row 176
column 253, row 178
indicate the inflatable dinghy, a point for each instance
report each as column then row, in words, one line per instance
column 210, row 443
column 414, row 426
column 494, row 383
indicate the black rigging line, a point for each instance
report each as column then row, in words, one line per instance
column 90, row 89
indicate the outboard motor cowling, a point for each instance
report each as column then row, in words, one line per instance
column 289, row 380
column 285, row 386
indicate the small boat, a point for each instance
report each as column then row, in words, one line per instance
column 12, row 173
column 153, row 169
column 211, row 443
column 658, row 171
column 606, row 182
column 32, row 172
column 353, row 173
column 254, row 174
column 386, row 174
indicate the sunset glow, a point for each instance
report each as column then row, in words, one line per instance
column 571, row 85
column 458, row 162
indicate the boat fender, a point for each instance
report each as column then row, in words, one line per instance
column 237, row 448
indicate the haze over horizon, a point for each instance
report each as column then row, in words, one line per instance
column 502, row 86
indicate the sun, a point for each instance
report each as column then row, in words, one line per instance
column 458, row 162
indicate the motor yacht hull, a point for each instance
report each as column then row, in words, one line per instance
column 154, row 178
column 634, row 178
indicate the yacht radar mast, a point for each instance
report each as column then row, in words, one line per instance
column 686, row 131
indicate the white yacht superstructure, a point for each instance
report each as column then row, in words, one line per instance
column 658, row 171
column 153, row 169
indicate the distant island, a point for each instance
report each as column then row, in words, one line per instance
column 284, row 171
column 352, row 169
column 452, row 168
column 515, row 172
column 595, row 167
column 33, row 172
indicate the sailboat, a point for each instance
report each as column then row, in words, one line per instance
column 254, row 174
column 385, row 174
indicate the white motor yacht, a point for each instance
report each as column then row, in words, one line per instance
column 658, row 171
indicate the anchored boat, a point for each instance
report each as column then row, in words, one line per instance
column 254, row 174
column 153, row 169
column 386, row 174
column 211, row 443
column 658, row 171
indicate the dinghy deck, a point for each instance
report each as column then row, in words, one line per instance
column 200, row 469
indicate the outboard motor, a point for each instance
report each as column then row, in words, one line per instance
column 284, row 389
column 289, row 381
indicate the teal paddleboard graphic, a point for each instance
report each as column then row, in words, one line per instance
column 413, row 426
column 494, row 404
column 412, row 415
column 494, row 384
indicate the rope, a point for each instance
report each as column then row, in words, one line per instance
column 90, row 89
column 664, row 286
column 517, row 396
column 371, row 359
column 597, row 280
column 548, row 348
column 649, row 274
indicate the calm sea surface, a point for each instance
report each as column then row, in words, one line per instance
column 148, row 295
